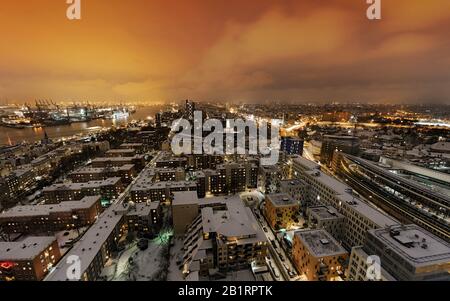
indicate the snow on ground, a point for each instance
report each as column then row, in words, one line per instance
column 175, row 273
column 142, row 266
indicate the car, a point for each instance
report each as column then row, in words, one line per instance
column 66, row 233
column 281, row 257
column 142, row 244
column 265, row 229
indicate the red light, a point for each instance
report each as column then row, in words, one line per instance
column 6, row 265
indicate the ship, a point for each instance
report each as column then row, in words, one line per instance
column 15, row 122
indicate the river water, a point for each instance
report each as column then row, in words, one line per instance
column 11, row 136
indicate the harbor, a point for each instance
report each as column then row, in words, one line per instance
column 17, row 127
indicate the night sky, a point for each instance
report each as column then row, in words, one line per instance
column 236, row 50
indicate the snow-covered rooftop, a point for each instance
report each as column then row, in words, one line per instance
column 26, row 249
column 414, row 244
column 320, row 243
column 281, row 200
column 79, row 186
column 184, row 198
column 344, row 193
column 41, row 210
column 89, row 245
column 96, row 170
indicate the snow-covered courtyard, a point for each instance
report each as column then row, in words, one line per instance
column 133, row 264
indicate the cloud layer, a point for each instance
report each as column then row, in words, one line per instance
column 252, row 50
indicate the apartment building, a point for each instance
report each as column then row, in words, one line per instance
column 269, row 179
column 17, row 182
column 410, row 253
column 121, row 152
column 140, row 148
column 358, row 268
column 171, row 174
column 138, row 161
column 296, row 190
column 93, row 250
column 28, row 260
column 231, row 178
column 146, row 190
column 126, row 172
column 223, row 237
column 51, row 218
column 281, row 211
column 141, row 217
column 324, row 190
column 318, row 255
column 326, row 217
column 108, row 189
column 185, row 208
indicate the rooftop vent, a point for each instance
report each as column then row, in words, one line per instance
column 324, row 241
column 394, row 232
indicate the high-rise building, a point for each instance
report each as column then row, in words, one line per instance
column 189, row 110
column 158, row 119
column 332, row 143
column 292, row 145
column 185, row 208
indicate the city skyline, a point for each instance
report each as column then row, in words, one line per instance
column 305, row 51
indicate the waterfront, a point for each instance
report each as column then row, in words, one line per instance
column 11, row 136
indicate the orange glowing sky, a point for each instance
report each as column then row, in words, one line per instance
column 237, row 50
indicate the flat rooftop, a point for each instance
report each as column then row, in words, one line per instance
column 79, row 186
column 42, row 210
column 290, row 183
column 281, row 199
column 121, row 151
column 324, row 212
column 337, row 137
column 169, row 170
column 95, row 170
column 26, row 249
column 344, row 193
column 414, row 244
column 235, row 222
column 320, row 243
column 142, row 209
column 117, row 159
column 185, row 198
